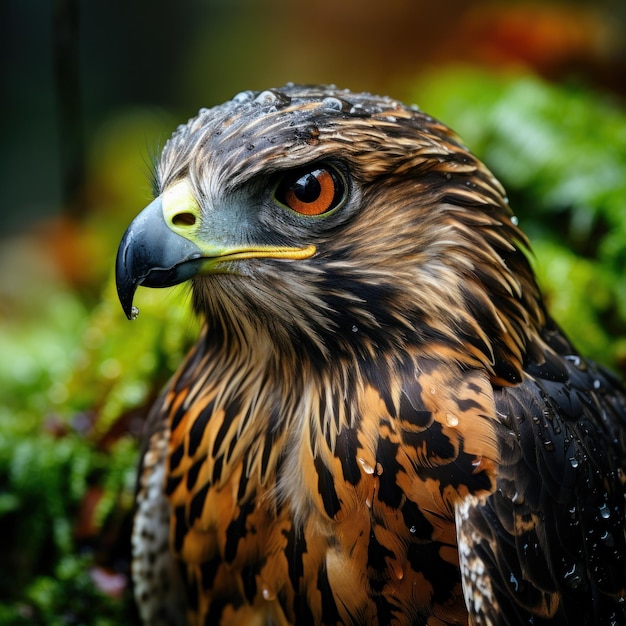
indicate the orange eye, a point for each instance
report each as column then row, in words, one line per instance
column 312, row 191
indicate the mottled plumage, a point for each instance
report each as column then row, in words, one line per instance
column 379, row 424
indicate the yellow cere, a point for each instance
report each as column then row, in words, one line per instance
column 181, row 209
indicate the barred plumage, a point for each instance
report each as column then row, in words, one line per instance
column 380, row 423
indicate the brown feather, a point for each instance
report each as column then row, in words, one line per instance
column 359, row 437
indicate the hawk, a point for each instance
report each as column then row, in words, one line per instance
column 379, row 422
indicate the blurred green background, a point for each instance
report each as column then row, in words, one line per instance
column 91, row 90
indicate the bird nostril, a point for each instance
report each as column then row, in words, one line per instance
column 184, row 219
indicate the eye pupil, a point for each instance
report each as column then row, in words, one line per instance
column 307, row 188
column 312, row 190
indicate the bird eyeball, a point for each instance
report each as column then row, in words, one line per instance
column 312, row 190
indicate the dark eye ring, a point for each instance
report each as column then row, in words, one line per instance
column 312, row 190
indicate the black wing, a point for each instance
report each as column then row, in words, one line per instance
column 549, row 545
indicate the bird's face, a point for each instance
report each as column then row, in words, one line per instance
column 338, row 224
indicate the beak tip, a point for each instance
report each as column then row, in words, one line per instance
column 125, row 294
column 126, row 285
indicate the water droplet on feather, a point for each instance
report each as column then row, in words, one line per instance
column 517, row 498
column 367, row 468
column 604, row 511
column 573, row 358
column 452, row 420
column 572, row 577
column 267, row 592
column 607, row 539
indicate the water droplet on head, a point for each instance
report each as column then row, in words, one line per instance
column 267, row 97
column 514, row 218
column 574, row 462
column 333, row 103
column 358, row 110
column 134, row 313
column 413, row 530
column 355, row 329
column 243, row 96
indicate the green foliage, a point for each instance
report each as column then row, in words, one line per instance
column 121, row 364
column 73, row 382
column 561, row 154
column 68, row 597
column 43, row 480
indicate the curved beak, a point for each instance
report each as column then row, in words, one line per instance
column 166, row 244
column 152, row 254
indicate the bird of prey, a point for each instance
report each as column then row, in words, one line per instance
column 379, row 424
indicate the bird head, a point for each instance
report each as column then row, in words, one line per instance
column 338, row 225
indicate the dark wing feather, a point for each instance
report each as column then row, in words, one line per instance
column 550, row 542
